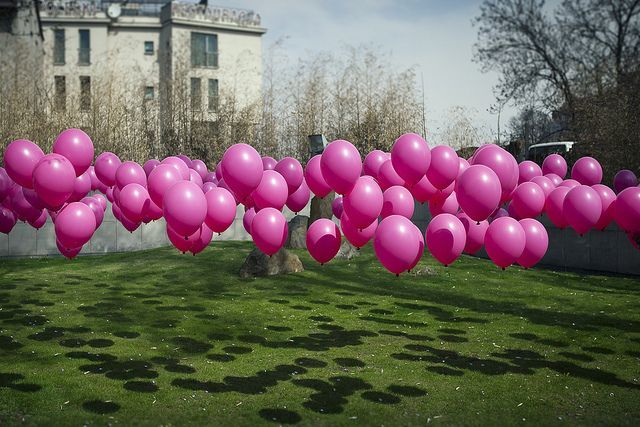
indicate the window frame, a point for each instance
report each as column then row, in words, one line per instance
column 84, row 51
column 59, row 44
column 146, row 92
column 152, row 51
column 210, row 53
column 213, row 100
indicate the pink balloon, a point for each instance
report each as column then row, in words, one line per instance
column 160, row 180
column 528, row 200
column 150, row 165
column 184, row 207
column 69, row 253
column 315, row 180
column 505, row 241
column 269, row 230
column 53, row 180
column 478, row 191
column 608, row 199
column 569, row 183
column 463, row 166
column 341, row 165
column 272, row 191
column 180, row 242
column 39, row 222
column 247, row 219
column 109, row 194
column 634, row 238
column 77, row 147
column 32, row 197
column 555, row 164
column 396, row 243
column 623, row 180
column 299, row 198
column 337, row 206
column 5, row 184
column 152, row 212
column 106, row 166
column 194, row 177
column 448, row 205
column 242, row 169
column 323, row 240
column 582, row 208
column 364, row 203
column 101, row 200
column 292, row 172
column 20, row 160
column 200, row 167
column 587, row 171
column 134, row 200
column 545, row 184
column 95, row 182
column 499, row 213
column 22, row 208
column 528, row 170
column 211, row 177
column 536, row 243
column 115, row 210
column 420, row 251
column 269, row 163
column 218, row 171
column 373, row 161
column 203, row 240
column 75, row 225
column 474, row 231
column 101, row 187
column 81, row 187
column 554, row 178
column 358, row 237
column 128, row 223
column 627, row 210
column 444, row 166
column 179, row 164
column 411, row 157
column 423, row 191
column 397, row 201
column 503, row 164
column 388, row 177
column 446, row 238
column 207, row 186
column 221, row 210
column 96, row 208
column 187, row 161
column 7, row 220
column 554, row 207
column 130, row 173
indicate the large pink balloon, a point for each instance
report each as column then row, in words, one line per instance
column 582, row 208
column 505, row 241
column 187, row 161
column 388, row 177
column 211, row 177
column 587, row 171
column 95, row 182
column 75, row 225
column 446, row 238
column 545, row 184
column 536, row 243
column 323, row 240
column 130, row 173
column 478, row 192
column 269, row 163
column 182, row 243
column 528, row 200
column 555, row 164
column 272, row 192
column 194, row 177
column 623, row 179
column 24, row 209
column 129, row 224
column 152, row 212
column 32, row 197
column 503, row 164
column 150, row 165
column 475, row 233
column 184, row 207
column 221, row 209
column 420, row 251
column 269, row 230
column 554, row 178
column 5, row 184
column 69, row 253
column 397, row 201
column 315, row 180
column 96, row 208
column 627, row 210
column 569, row 183
column 337, row 206
column 160, row 179
column 106, row 167
column 299, row 198
column 463, row 166
column 608, row 199
column 81, row 187
column 53, row 180
column 76, row 146
column 396, row 243
column 200, row 167
column 39, row 222
column 115, row 210
column 528, row 170
column 358, row 237
column 179, row 164
column 554, row 207
column 292, row 172
column 364, row 203
column 247, row 219
column 341, row 166
column 20, row 160
column 7, row 220
column 373, row 161
column 242, row 169
column 102, row 200
column 439, row 205
column 423, row 190
column 134, row 200
column 203, row 240
column 444, row 166
column 218, row 171
column 411, row 158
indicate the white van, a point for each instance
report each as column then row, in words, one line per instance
column 537, row 152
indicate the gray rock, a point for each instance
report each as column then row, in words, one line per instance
column 347, row 250
column 424, row 271
column 321, row 208
column 260, row 264
column 297, row 237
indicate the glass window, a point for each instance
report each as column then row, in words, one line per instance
column 196, row 94
column 149, row 93
column 58, row 47
column 213, row 94
column 148, row 48
column 84, row 49
column 61, row 93
column 85, row 93
column 204, row 50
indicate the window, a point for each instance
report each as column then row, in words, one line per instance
column 61, row 93
column 213, row 94
column 149, row 93
column 196, row 94
column 204, row 50
column 58, row 47
column 148, row 48
column 85, row 93
column 84, row 49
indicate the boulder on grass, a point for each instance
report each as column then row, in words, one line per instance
column 347, row 250
column 260, row 264
column 321, row 208
column 297, row 237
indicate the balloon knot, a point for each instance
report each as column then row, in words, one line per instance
column 446, row 265
column 357, row 249
column 503, row 269
column 186, row 237
column 322, row 264
column 477, row 222
column 397, row 274
column 219, row 234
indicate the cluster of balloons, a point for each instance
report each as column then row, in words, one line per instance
column 487, row 200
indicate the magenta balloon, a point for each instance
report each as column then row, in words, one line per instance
column 150, row 165
column 420, row 251
column 130, row 173
column 503, row 164
column 206, row 234
column 337, row 206
column 545, row 184
column 396, row 243
column 423, row 191
column 269, row 163
column 364, row 202
column 211, row 177
column 218, row 171
column 582, row 208
column 272, row 191
column 7, row 220
column 292, row 172
column 221, row 210
column 134, row 200
column 115, row 210
column 554, row 178
column 528, row 170
column 75, row 225
column 53, row 180
column 505, row 241
column 242, row 169
column 77, row 147
column 341, row 166
column 5, row 184
column 152, row 212
column 446, row 238
column 555, row 164
column 194, row 177
column 608, row 199
column 184, row 207
column 160, row 180
column 397, row 201
column 187, row 161
column 109, row 194
column 106, row 166
column 102, row 200
column 39, row 222
column 388, row 177
column 32, row 197
column 449, row 205
column 569, row 183
column 323, row 240
column 180, row 242
column 411, row 157
column 207, row 186
column 373, row 161
column 463, row 166
column 269, row 230
column 499, row 213
column 96, row 208
column 528, row 200
column 299, row 199
column 200, row 167
column 129, row 224
column 627, row 210
column 634, row 238
column 22, row 208
column 536, row 243
column 20, row 160
column 179, row 164
column 81, row 187
column 358, row 237
column 478, row 192
column 554, row 207
column 116, row 195
column 474, row 231
column 69, row 253
column 247, row 219
column 444, row 166
column 101, row 187
column 587, row 171
column 315, row 180
column 623, row 180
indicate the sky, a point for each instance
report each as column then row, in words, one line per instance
column 434, row 36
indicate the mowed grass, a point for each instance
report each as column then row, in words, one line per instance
column 158, row 337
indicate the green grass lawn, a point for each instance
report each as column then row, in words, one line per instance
column 158, row 337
